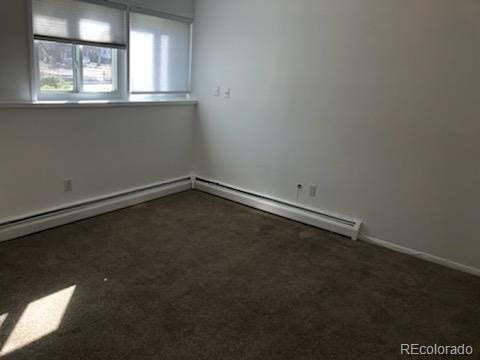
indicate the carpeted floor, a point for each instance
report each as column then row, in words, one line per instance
column 192, row 276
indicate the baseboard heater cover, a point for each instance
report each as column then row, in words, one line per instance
column 321, row 219
column 38, row 222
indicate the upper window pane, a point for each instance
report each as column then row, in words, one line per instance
column 55, row 66
column 98, row 69
column 79, row 21
column 159, row 54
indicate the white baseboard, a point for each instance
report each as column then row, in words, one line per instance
column 93, row 207
column 335, row 223
column 421, row 255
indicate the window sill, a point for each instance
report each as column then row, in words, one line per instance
column 134, row 101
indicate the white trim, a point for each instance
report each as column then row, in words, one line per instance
column 279, row 207
column 97, row 104
column 421, row 255
column 129, row 57
column 190, row 61
column 90, row 208
column 32, row 54
column 179, row 92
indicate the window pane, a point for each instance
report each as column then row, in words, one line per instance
column 55, row 65
column 98, row 69
column 160, row 54
column 80, row 20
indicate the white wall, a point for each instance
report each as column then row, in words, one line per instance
column 104, row 150
column 376, row 101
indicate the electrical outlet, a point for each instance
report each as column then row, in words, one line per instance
column 68, row 185
column 228, row 93
column 312, row 190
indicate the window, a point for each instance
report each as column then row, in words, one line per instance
column 160, row 54
column 79, row 50
column 75, row 69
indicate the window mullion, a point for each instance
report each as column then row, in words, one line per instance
column 115, row 71
column 78, row 68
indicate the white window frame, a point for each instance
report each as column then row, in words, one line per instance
column 118, row 66
column 121, row 77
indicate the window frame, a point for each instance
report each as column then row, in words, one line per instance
column 78, row 93
column 120, row 78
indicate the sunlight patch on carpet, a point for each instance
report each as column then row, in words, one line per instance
column 40, row 318
column 3, row 317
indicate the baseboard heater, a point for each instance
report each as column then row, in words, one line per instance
column 60, row 216
column 321, row 219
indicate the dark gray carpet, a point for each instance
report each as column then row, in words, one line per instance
column 192, row 276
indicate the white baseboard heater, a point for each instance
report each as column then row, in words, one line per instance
column 60, row 216
column 33, row 223
column 321, row 219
